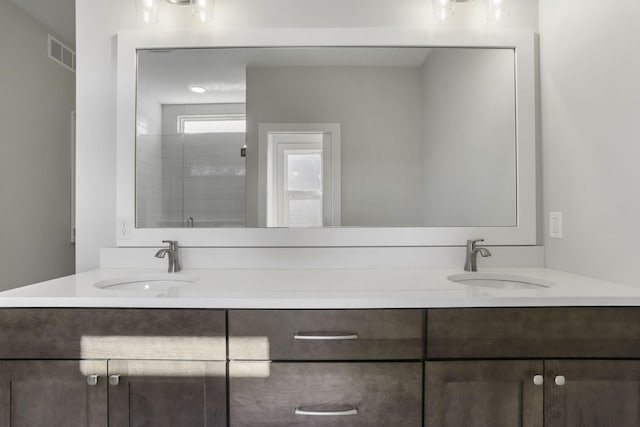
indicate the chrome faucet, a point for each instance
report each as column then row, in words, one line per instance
column 172, row 253
column 471, row 264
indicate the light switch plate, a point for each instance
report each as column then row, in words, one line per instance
column 555, row 225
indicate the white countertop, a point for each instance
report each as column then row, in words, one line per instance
column 371, row 288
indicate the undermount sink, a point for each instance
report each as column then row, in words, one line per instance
column 500, row 281
column 153, row 285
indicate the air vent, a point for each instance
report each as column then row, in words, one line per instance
column 62, row 54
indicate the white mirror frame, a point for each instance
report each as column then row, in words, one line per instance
column 524, row 233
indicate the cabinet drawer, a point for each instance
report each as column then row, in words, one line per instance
column 112, row 334
column 325, row 394
column 552, row 332
column 325, row 334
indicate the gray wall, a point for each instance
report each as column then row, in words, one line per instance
column 36, row 100
column 379, row 109
column 590, row 68
column 469, row 131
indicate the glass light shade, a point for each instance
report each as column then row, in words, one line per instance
column 203, row 10
column 147, row 11
column 443, row 9
column 496, row 9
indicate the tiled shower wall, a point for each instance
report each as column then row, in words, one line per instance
column 203, row 175
column 149, row 165
column 148, row 180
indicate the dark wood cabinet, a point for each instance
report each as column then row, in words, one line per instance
column 167, row 393
column 484, row 394
column 533, row 333
column 592, row 393
column 168, row 367
column 325, row 394
column 480, row 367
column 326, row 334
column 97, row 333
column 46, row 393
column 589, row 387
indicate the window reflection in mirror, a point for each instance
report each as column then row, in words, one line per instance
column 426, row 137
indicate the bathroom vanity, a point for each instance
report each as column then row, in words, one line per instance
column 420, row 350
column 413, row 139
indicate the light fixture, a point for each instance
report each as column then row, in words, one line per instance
column 445, row 9
column 197, row 89
column 148, row 9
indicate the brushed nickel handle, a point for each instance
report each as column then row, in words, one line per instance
column 114, row 379
column 92, row 379
column 538, row 380
column 350, row 411
column 560, row 380
column 321, row 336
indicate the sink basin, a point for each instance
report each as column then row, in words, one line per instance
column 500, row 281
column 153, row 285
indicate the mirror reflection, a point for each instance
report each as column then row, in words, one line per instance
column 318, row 137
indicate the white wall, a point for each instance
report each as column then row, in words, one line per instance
column 99, row 21
column 470, row 151
column 590, row 68
column 36, row 101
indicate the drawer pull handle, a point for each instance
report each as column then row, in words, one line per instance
column 321, row 336
column 560, row 380
column 538, row 380
column 114, row 379
column 349, row 411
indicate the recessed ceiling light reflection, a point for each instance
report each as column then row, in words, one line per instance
column 197, row 89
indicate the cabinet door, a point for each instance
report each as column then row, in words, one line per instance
column 483, row 394
column 167, row 393
column 40, row 393
column 592, row 393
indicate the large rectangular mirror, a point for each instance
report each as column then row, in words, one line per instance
column 337, row 137
column 326, row 137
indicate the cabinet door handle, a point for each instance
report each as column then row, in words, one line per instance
column 538, row 380
column 114, row 379
column 325, row 336
column 308, row 412
column 560, row 380
column 92, row 379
